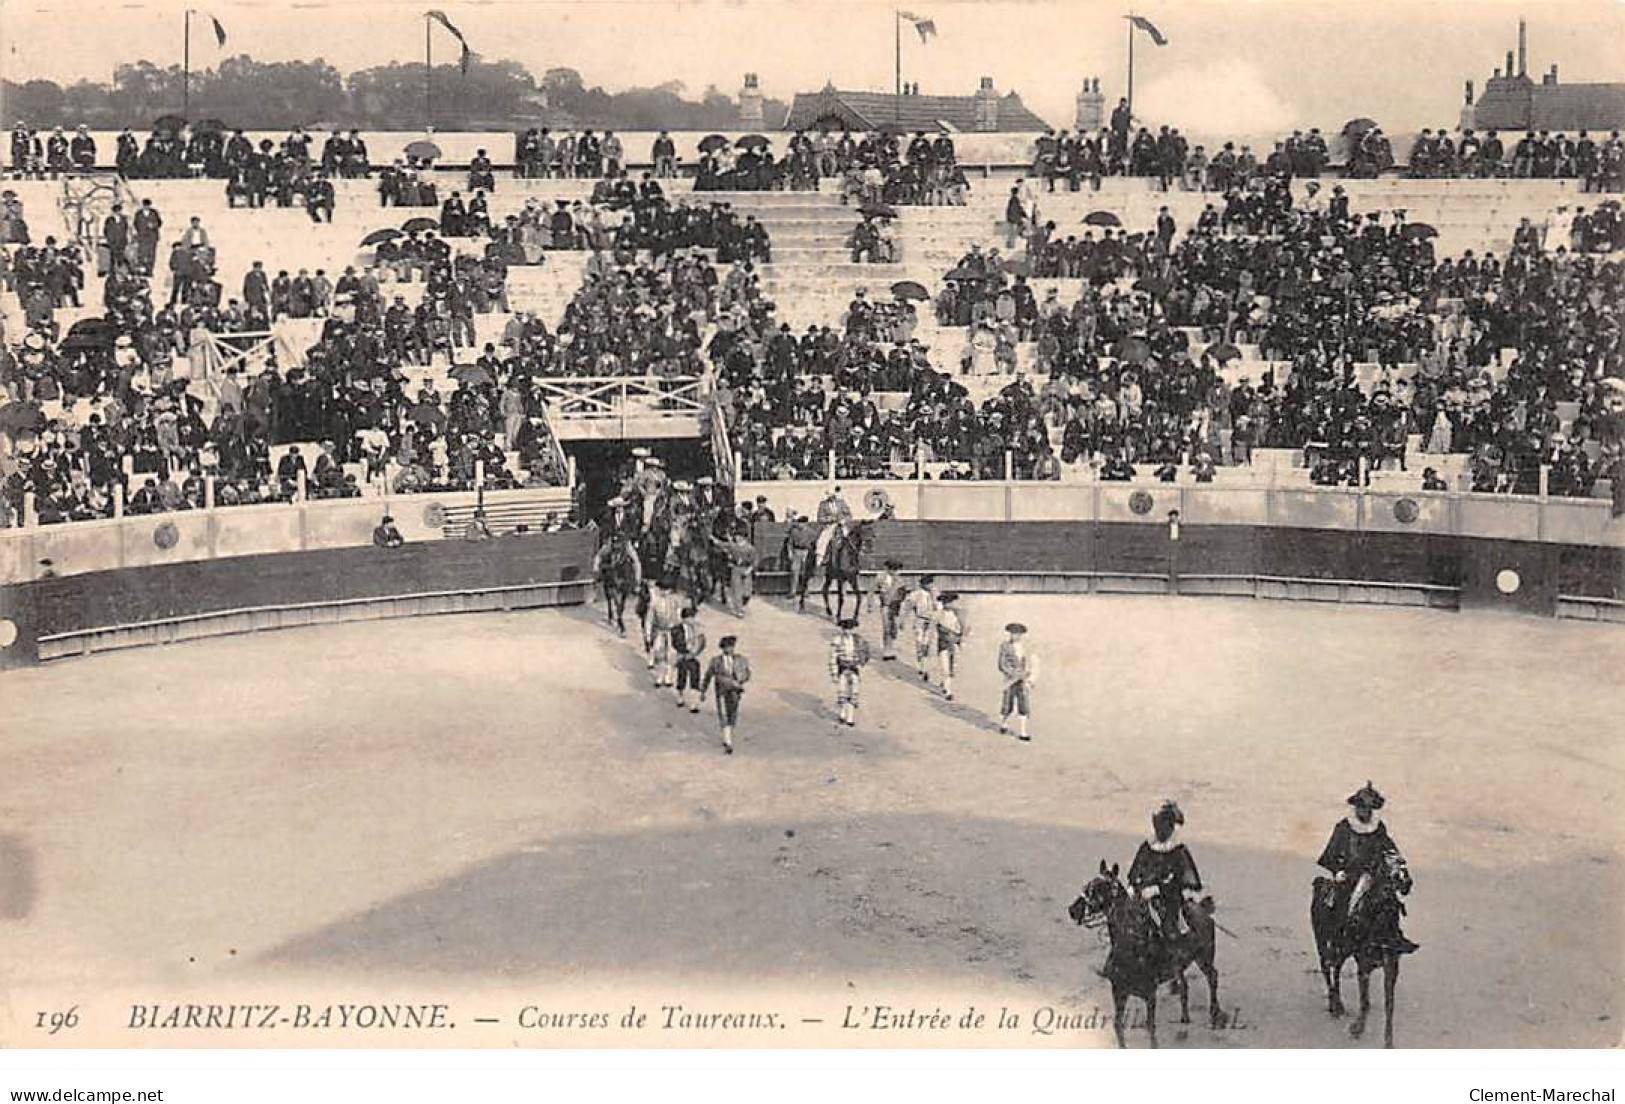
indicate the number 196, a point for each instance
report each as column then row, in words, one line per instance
column 52, row 1022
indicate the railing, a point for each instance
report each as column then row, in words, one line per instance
column 619, row 398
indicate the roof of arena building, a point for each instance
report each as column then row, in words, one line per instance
column 871, row 110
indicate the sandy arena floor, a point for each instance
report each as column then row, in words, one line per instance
column 496, row 811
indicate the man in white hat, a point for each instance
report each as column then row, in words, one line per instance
column 1018, row 667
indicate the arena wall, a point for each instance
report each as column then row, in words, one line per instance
column 167, row 602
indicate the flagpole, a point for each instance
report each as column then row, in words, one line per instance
column 428, row 71
column 1130, row 97
column 897, row 30
column 186, row 67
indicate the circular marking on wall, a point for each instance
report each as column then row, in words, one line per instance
column 166, row 536
column 876, row 501
column 8, row 632
column 1507, row 581
column 434, row 515
column 1141, row 502
column 1406, row 510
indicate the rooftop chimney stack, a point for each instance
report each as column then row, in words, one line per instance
column 1509, row 63
column 1523, row 48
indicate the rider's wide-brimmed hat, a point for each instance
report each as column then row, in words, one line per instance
column 849, row 622
column 1015, row 628
column 1367, row 796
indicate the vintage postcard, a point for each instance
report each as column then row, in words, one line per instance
column 763, row 525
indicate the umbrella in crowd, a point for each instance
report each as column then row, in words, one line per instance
column 1419, row 230
column 171, row 123
column 1223, row 353
column 210, row 126
column 713, row 142
column 879, row 210
column 90, row 333
column 1017, row 266
column 423, row 151
column 965, row 274
column 20, row 417
column 470, row 375
column 1355, row 128
column 378, row 237
column 413, row 225
column 1101, row 218
column 753, row 141
column 908, row 289
column 1132, row 350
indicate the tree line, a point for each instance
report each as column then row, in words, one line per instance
column 258, row 95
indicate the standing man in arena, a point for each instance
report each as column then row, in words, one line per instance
column 921, row 604
column 952, row 628
column 1018, row 666
column 848, row 656
column 888, row 594
column 688, row 640
column 729, row 671
column 665, row 610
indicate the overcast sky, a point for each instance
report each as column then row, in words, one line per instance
column 1228, row 67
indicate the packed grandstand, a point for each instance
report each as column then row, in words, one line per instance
column 201, row 318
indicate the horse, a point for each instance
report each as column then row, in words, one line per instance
column 843, row 564
column 1141, row 958
column 618, row 575
column 688, row 556
column 1369, row 934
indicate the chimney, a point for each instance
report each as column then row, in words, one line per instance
column 750, row 104
column 1554, row 73
column 1509, row 63
column 1091, row 106
column 987, row 106
column 1523, row 49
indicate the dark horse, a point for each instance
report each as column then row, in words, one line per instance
column 843, row 566
column 1369, row 934
column 618, row 574
column 1141, row 959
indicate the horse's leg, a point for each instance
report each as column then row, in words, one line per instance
column 1390, row 975
column 1119, row 1014
column 827, row 581
column 1151, row 1015
column 1183, row 988
column 1333, row 973
column 1363, row 971
column 1215, row 1014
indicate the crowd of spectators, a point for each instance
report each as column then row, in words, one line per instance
column 1598, row 163
column 621, row 217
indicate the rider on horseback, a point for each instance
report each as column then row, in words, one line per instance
column 1360, row 853
column 833, row 516
column 1164, row 874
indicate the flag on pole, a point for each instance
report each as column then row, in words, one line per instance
column 440, row 18
column 219, row 31
column 926, row 27
column 1149, row 28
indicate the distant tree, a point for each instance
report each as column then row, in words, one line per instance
column 243, row 92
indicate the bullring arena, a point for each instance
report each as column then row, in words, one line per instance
column 255, row 755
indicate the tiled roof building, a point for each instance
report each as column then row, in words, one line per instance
column 986, row 111
column 1513, row 101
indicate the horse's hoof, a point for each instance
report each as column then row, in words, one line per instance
column 1356, row 1029
column 1218, row 1020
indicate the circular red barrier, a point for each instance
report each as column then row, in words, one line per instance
column 1406, row 510
column 166, row 536
column 1141, row 502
